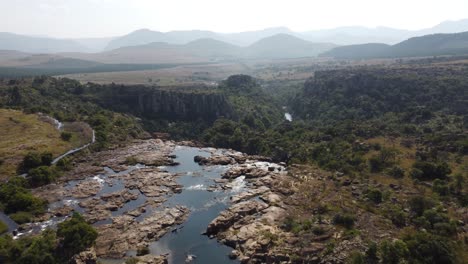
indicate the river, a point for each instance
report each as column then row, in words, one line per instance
column 204, row 207
column 204, row 204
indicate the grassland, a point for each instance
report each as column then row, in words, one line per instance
column 21, row 133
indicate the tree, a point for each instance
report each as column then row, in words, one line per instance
column 393, row 252
column 76, row 235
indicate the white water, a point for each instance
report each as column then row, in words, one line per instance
column 288, row 117
column 58, row 124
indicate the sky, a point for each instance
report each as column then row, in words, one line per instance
column 106, row 18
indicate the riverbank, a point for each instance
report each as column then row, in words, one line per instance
column 152, row 194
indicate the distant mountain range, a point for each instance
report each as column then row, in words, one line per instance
column 198, row 51
column 338, row 36
column 429, row 45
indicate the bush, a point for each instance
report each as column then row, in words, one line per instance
column 141, row 251
column 34, row 160
column 3, row 227
column 66, row 136
column 132, row 260
column 424, row 170
column 393, row 252
column 374, row 195
column 396, row 172
column 41, row 176
column 385, row 158
column 15, row 197
column 356, row 258
column 397, row 215
column 424, row 247
column 318, row 230
column 345, row 220
column 64, row 164
column 419, row 204
column 76, row 234
column 440, row 187
column 22, row 217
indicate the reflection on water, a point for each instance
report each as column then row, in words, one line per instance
column 204, row 206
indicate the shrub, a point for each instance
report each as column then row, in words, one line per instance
column 356, row 258
column 132, row 260
column 34, row 160
column 371, row 253
column 318, row 230
column 419, row 204
column 76, row 234
column 41, row 176
column 15, row 197
column 396, row 172
column 141, row 251
column 374, row 195
column 64, row 164
column 424, row 170
column 440, row 187
column 21, row 217
column 66, row 136
column 131, row 160
column 3, row 227
column 424, row 247
column 397, row 215
column 393, row 252
column 385, row 158
column 345, row 220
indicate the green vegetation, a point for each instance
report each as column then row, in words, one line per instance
column 345, row 220
column 68, row 101
column 387, row 144
column 42, row 175
column 3, row 227
column 66, row 136
column 33, row 160
column 76, row 235
column 31, row 133
column 15, row 197
column 72, row 236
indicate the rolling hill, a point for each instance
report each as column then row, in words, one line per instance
column 10, row 41
column 285, row 46
column 429, row 45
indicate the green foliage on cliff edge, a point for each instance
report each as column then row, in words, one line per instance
column 73, row 236
column 66, row 100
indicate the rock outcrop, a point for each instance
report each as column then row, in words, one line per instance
column 125, row 233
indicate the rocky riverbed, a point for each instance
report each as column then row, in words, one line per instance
column 140, row 193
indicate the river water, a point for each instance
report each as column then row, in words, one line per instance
column 204, row 203
column 204, row 207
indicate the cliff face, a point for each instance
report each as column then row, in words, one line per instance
column 183, row 105
column 155, row 103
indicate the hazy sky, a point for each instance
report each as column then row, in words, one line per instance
column 97, row 18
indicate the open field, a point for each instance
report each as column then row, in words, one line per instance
column 209, row 74
column 22, row 133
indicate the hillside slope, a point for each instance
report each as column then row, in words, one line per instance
column 429, row 45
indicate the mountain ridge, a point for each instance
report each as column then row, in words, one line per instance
column 427, row 45
column 339, row 35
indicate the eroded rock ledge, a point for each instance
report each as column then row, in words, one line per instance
column 125, row 233
column 251, row 225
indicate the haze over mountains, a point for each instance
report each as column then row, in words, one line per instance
column 149, row 50
column 338, row 36
column 428, row 45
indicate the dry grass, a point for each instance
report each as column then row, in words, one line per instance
column 21, row 133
